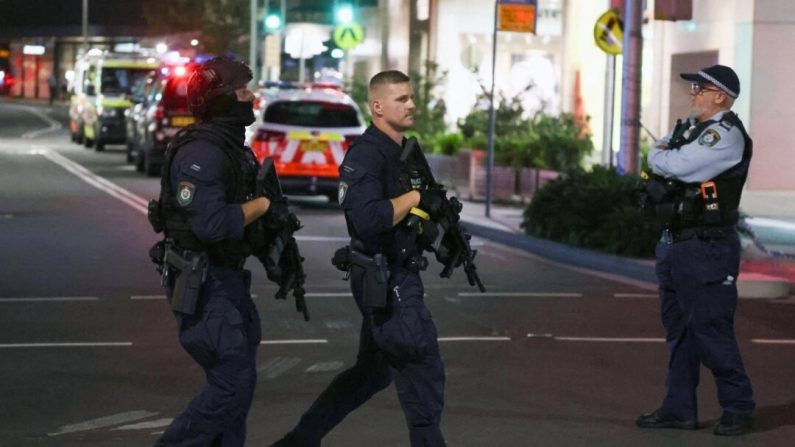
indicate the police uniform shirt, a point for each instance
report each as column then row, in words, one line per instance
column 718, row 148
column 369, row 177
column 197, row 174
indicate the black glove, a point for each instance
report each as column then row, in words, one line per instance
column 431, row 201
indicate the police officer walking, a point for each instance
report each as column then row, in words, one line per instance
column 699, row 172
column 204, row 209
column 397, row 337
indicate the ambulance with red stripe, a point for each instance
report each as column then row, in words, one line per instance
column 307, row 132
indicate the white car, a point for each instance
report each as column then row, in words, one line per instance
column 307, row 132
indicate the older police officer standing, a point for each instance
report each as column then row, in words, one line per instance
column 397, row 338
column 206, row 202
column 700, row 170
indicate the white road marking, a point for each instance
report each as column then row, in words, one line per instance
column 329, row 295
column 148, row 297
column 294, row 342
column 326, row 366
column 521, row 294
column 48, row 299
column 66, row 345
column 102, row 422
column 157, row 423
column 52, row 124
column 612, row 339
column 323, row 238
column 764, row 341
column 134, row 201
column 636, row 295
column 443, row 339
column 338, row 324
column 277, row 366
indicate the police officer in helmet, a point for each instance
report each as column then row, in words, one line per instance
column 699, row 172
column 398, row 337
column 205, row 206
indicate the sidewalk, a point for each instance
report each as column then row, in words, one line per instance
column 767, row 269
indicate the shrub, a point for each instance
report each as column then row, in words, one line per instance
column 597, row 210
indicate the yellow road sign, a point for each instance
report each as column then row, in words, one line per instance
column 608, row 32
column 348, row 36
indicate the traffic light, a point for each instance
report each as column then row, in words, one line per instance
column 273, row 20
column 344, row 13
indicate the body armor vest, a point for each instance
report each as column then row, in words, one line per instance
column 686, row 205
column 240, row 186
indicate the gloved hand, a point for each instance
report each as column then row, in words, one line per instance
column 431, row 201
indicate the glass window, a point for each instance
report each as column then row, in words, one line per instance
column 311, row 114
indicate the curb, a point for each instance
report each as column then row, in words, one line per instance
column 565, row 253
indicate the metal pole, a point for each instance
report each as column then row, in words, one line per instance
column 629, row 162
column 490, row 154
column 252, row 45
column 85, row 26
column 610, row 88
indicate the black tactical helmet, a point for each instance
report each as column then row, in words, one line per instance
column 211, row 88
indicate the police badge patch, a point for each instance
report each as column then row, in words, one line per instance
column 709, row 138
column 185, row 193
column 341, row 192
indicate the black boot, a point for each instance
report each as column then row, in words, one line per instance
column 658, row 419
column 732, row 424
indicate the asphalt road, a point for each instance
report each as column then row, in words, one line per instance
column 550, row 356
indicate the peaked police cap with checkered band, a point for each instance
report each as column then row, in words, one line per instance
column 720, row 76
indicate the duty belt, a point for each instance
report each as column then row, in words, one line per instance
column 704, row 233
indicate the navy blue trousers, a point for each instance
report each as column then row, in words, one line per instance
column 222, row 337
column 397, row 343
column 698, row 294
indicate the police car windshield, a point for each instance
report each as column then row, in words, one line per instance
column 116, row 81
column 311, row 114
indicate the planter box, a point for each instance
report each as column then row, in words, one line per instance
column 531, row 179
column 503, row 179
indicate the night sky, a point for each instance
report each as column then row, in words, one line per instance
column 21, row 14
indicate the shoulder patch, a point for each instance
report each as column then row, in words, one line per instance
column 341, row 192
column 185, row 193
column 709, row 138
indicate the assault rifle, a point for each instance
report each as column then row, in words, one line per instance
column 451, row 245
column 273, row 241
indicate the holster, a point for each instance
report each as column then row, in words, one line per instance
column 376, row 275
column 191, row 272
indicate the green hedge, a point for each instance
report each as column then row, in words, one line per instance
column 597, row 210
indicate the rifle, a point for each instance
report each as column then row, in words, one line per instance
column 451, row 247
column 273, row 241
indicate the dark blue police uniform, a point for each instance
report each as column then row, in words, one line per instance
column 224, row 332
column 399, row 341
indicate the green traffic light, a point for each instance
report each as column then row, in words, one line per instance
column 345, row 14
column 273, row 22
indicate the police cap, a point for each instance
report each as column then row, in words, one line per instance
column 720, row 76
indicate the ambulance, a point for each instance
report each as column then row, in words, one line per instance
column 307, row 132
column 100, row 94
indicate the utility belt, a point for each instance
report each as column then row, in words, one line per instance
column 377, row 271
column 183, row 270
column 703, row 233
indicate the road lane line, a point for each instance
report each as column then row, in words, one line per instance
column 294, row 342
column 323, row 238
column 329, row 295
column 53, row 124
column 521, row 294
column 147, row 425
column 48, row 299
column 134, row 201
column 325, row 366
column 766, row 341
column 66, row 345
column 612, row 339
column 444, row 339
column 148, row 297
column 103, row 422
column 636, row 295
column 277, row 366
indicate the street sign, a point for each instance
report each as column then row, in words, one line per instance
column 608, row 32
column 348, row 35
column 517, row 16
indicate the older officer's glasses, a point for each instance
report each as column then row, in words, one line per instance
column 697, row 88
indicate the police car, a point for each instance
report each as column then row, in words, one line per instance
column 307, row 132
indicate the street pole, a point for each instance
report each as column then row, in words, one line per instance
column 85, row 26
column 252, row 46
column 629, row 162
column 490, row 153
column 610, row 92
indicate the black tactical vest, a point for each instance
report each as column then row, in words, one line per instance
column 240, row 187
column 682, row 204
